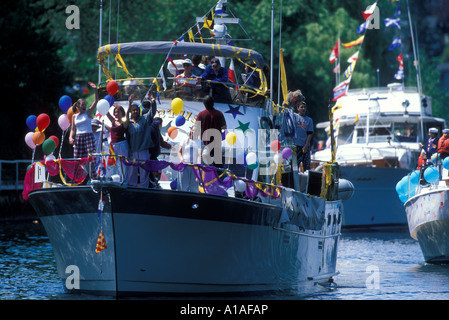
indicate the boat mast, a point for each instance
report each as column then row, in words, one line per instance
column 416, row 64
column 280, row 46
column 100, row 40
column 272, row 50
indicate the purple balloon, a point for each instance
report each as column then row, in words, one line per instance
column 287, row 153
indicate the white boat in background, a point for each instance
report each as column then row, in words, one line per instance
column 377, row 132
column 240, row 233
column 427, row 209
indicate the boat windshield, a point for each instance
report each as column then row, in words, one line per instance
column 405, row 132
column 385, row 132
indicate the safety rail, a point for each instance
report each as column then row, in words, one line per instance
column 12, row 173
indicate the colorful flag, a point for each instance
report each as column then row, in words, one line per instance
column 350, row 70
column 190, row 33
column 101, row 243
column 362, row 28
column 169, row 58
column 400, row 60
column 209, row 22
column 199, row 32
column 341, row 89
column 111, row 158
column 335, row 52
column 399, row 75
column 369, row 11
column 354, row 57
column 231, row 72
column 396, row 43
column 283, row 76
column 353, row 43
column 337, row 68
column 390, row 22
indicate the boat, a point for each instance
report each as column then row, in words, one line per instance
column 378, row 131
column 426, row 196
column 241, row 232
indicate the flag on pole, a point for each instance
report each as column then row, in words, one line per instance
column 399, row 75
column 209, row 22
column 353, row 43
column 341, row 89
column 396, row 43
column 101, row 243
column 369, row 11
column 169, row 58
column 354, row 57
column 283, row 76
column 362, row 28
column 350, row 70
column 111, row 158
column 231, row 72
column 199, row 32
column 335, row 52
column 190, row 33
column 400, row 60
column 337, row 68
column 390, row 22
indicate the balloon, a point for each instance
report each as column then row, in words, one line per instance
column 275, row 145
column 70, row 114
column 172, row 132
column 239, row 185
column 251, row 160
column 42, row 121
column 180, row 120
column 403, row 198
column 402, row 186
column 174, row 184
column 29, row 140
column 177, row 104
column 414, row 177
column 446, row 163
column 55, row 139
column 109, row 99
column 231, row 138
column 50, row 157
column 38, row 138
column 31, row 122
column 64, row 121
column 287, row 153
column 112, row 87
column 103, row 107
column 65, row 102
column 48, row 146
column 431, row 175
column 277, row 158
column 253, row 166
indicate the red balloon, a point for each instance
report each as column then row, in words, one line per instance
column 42, row 121
column 112, row 87
column 55, row 139
column 275, row 145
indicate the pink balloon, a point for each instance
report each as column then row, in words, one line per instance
column 63, row 122
column 275, row 145
column 29, row 140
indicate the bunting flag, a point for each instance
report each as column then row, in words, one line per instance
column 337, row 68
column 341, row 89
column 111, row 158
column 335, row 52
column 101, row 243
column 100, row 205
column 369, row 11
column 199, row 32
column 190, row 33
column 350, row 70
column 399, row 75
column 169, row 58
column 400, row 59
column 231, row 72
column 209, row 22
column 396, row 43
column 353, row 43
column 390, row 22
column 283, row 76
column 354, row 57
column 362, row 28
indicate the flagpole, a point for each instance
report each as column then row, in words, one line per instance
column 100, row 39
column 272, row 53
column 280, row 46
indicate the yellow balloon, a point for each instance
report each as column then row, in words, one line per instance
column 231, row 138
column 177, row 104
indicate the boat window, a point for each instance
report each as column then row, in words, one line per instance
column 405, row 132
column 345, row 134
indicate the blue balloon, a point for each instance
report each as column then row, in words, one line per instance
column 31, row 122
column 431, row 175
column 403, row 198
column 402, row 186
column 414, row 177
column 109, row 99
column 65, row 102
column 446, row 163
column 174, row 184
column 180, row 120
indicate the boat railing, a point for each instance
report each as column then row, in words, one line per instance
column 11, row 173
column 224, row 92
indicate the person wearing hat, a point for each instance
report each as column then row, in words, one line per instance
column 432, row 143
column 187, row 78
column 443, row 144
column 216, row 77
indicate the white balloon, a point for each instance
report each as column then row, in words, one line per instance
column 239, row 186
column 63, row 122
column 251, row 158
column 278, row 158
column 50, row 157
column 103, row 107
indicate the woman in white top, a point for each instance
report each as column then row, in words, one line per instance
column 81, row 135
column 189, row 152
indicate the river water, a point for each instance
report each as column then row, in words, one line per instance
column 372, row 266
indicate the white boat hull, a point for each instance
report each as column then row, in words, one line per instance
column 428, row 220
column 182, row 251
column 374, row 203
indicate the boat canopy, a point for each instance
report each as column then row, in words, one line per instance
column 166, row 47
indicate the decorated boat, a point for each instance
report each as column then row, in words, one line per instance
column 254, row 224
column 426, row 196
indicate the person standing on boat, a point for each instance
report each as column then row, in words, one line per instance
column 190, row 153
column 119, row 124
column 303, row 135
column 139, row 141
column 217, row 77
column 81, row 135
column 443, row 144
column 211, row 122
column 432, row 143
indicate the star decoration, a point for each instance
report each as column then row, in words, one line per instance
column 234, row 111
column 243, row 126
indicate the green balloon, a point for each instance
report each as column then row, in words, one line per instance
column 48, row 146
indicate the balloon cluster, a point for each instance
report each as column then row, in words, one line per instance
column 36, row 136
column 177, row 104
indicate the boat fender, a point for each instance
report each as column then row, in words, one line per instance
column 345, row 189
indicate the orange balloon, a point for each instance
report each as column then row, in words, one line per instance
column 38, row 138
column 172, row 132
column 70, row 114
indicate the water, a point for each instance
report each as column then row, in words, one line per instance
column 372, row 266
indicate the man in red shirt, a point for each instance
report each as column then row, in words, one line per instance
column 443, row 144
column 211, row 122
